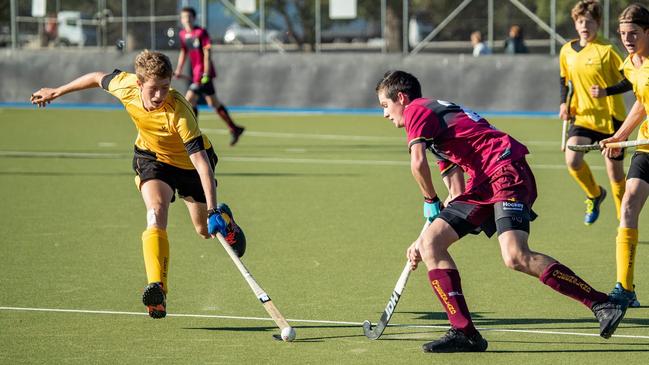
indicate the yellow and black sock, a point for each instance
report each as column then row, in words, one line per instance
column 155, row 246
column 586, row 181
column 625, row 248
column 617, row 190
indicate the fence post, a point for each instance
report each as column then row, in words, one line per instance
column 404, row 20
column 12, row 15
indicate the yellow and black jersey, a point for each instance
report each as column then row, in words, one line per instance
column 639, row 78
column 597, row 63
column 168, row 134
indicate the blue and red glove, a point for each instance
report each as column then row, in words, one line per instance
column 432, row 208
column 216, row 222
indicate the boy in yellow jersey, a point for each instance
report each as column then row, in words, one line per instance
column 634, row 31
column 591, row 60
column 171, row 154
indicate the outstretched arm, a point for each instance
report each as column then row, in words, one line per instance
column 45, row 96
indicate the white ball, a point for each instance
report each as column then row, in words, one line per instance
column 288, row 334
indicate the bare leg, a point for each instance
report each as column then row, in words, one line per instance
column 198, row 214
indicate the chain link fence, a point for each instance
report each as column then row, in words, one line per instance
column 401, row 26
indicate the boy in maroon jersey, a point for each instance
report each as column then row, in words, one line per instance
column 497, row 198
column 195, row 41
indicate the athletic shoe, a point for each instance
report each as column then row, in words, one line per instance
column 592, row 207
column 456, row 341
column 235, row 236
column 235, row 134
column 154, row 299
column 609, row 314
column 619, row 295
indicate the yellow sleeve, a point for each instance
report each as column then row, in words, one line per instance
column 121, row 85
column 187, row 127
column 615, row 60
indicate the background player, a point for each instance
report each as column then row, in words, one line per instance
column 498, row 197
column 195, row 42
column 634, row 31
column 171, row 154
column 591, row 60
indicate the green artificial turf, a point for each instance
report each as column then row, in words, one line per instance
column 328, row 206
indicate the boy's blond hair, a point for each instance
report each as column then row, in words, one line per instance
column 590, row 7
column 151, row 64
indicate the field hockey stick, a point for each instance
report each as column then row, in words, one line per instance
column 272, row 310
column 596, row 146
column 377, row 331
column 564, row 128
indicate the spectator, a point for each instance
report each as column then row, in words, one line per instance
column 480, row 48
column 514, row 43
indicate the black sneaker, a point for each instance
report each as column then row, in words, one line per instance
column 235, row 134
column 609, row 314
column 456, row 341
column 154, row 299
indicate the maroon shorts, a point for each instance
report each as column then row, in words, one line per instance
column 501, row 203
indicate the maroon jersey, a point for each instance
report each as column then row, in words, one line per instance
column 193, row 43
column 460, row 137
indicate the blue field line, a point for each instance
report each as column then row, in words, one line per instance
column 274, row 109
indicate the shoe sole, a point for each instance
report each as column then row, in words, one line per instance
column 610, row 329
column 153, row 298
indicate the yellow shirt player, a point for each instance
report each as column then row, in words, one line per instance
column 587, row 61
column 171, row 155
column 634, row 32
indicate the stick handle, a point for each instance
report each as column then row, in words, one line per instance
column 268, row 304
column 564, row 131
column 624, row 144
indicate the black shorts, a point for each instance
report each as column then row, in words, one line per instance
column 595, row 136
column 501, row 217
column 203, row 89
column 186, row 182
column 639, row 168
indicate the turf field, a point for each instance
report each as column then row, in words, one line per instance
column 328, row 206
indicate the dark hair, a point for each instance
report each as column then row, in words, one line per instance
column 584, row 7
column 635, row 14
column 190, row 10
column 394, row 82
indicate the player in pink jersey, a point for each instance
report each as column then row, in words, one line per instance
column 195, row 42
column 498, row 197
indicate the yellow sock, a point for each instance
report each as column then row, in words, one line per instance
column 617, row 190
column 626, row 244
column 155, row 246
column 586, row 181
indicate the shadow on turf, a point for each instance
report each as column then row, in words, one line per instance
column 403, row 336
column 120, row 173
column 276, row 330
column 481, row 319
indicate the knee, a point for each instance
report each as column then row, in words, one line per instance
column 156, row 216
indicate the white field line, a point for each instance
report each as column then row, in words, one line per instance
column 319, row 161
column 244, row 318
column 340, row 137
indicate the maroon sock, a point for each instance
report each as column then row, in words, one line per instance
column 566, row 282
column 447, row 286
column 223, row 113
